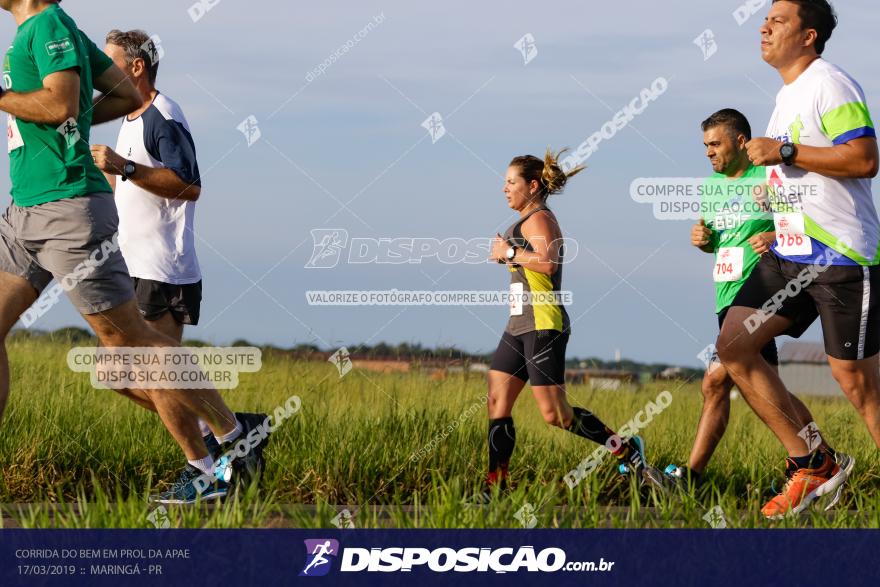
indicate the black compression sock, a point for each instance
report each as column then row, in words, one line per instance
column 588, row 426
column 814, row 460
column 502, row 438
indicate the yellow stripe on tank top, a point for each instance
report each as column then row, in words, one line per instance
column 548, row 316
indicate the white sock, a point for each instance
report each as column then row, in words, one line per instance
column 204, row 428
column 232, row 435
column 205, row 465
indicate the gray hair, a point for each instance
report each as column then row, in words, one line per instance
column 137, row 45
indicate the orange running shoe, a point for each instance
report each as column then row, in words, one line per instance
column 803, row 487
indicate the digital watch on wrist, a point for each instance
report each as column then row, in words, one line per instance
column 788, row 151
column 128, row 170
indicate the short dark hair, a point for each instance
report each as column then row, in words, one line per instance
column 137, row 45
column 734, row 120
column 819, row 15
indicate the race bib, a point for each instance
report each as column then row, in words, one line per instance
column 791, row 238
column 516, row 299
column 13, row 136
column 728, row 264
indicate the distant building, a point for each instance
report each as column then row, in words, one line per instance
column 604, row 379
column 479, row 367
column 803, row 367
column 672, row 373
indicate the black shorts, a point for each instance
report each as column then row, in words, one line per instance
column 537, row 356
column 846, row 299
column 155, row 299
column 769, row 351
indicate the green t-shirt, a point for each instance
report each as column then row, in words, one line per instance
column 735, row 210
column 49, row 162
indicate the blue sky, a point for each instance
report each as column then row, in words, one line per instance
column 355, row 131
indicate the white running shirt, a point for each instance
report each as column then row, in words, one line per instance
column 155, row 233
column 824, row 107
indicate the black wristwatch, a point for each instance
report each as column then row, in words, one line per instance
column 788, row 151
column 128, row 170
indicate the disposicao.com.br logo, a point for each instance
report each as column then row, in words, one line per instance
column 318, row 553
column 442, row 560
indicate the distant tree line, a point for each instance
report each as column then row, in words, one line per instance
column 404, row 352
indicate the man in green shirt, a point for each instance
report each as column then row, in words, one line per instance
column 62, row 223
column 737, row 228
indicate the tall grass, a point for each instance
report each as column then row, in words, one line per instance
column 96, row 456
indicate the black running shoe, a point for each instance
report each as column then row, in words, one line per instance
column 241, row 460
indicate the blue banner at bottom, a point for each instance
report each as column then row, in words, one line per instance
column 438, row 557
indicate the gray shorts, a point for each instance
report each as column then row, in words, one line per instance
column 74, row 241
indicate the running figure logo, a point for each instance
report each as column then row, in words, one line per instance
column 811, row 436
column 342, row 360
column 317, row 553
column 344, row 520
column 715, row 518
column 328, row 246
column 159, row 517
column 706, row 43
column 153, row 48
column 709, row 357
column 526, row 45
column 70, row 131
column 434, row 125
column 526, row 516
column 250, row 129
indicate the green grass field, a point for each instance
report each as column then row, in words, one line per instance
column 93, row 457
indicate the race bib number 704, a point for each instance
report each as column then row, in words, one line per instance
column 728, row 264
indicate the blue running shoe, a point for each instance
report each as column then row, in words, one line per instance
column 633, row 462
column 192, row 486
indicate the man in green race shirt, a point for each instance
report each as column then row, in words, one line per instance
column 737, row 228
column 62, row 223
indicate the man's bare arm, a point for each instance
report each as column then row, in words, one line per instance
column 56, row 102
column 118, row 96
column 165, row 183
column 855, row 159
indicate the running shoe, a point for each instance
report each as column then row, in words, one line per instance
column 191, row 486
column 239, row 469
column 498, row 479
column 846, row 463
column 803, row 487
column 633, row 462
column 677, row 478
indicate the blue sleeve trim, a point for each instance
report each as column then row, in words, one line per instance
column 168, row 142
column 865, row 131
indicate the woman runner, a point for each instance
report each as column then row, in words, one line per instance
column 533, row 345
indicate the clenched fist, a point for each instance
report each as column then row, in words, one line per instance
column 762, row 242
column 764, row 151
column 107, row 160
column 700, row 234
